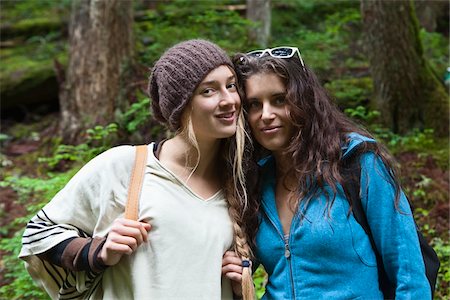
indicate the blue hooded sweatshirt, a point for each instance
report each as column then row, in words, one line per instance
column 327, row 254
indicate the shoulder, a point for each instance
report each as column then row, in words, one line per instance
column 367, row 152
column 355, row 143
column 117, row 154
column 115, row 161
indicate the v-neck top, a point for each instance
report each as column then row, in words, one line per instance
column 183, row 256
column 155, row 156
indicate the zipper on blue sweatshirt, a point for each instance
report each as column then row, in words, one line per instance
column 287, row 254
column 287, row 251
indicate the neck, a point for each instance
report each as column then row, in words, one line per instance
column 180, row 152
column 284, row 163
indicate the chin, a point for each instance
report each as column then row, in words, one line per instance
column 271, row 147
column 227, row 134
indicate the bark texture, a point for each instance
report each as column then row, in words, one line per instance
column 101, row 46
column 407, row 92
column 259, row 11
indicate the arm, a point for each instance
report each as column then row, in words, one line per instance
column 82, row 212
column 393, row 229
column 95, row 254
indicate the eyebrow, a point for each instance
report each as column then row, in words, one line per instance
column 279, row 94
column 274, row 95
column 215, row 81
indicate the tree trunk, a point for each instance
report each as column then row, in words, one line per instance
column 101, row 46
column 259, row 11
column 407, row 92
column 429, row 12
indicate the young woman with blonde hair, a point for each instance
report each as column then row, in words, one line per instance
column 191, row 204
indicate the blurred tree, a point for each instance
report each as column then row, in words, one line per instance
column 408, row 93
column 430, row 13
column 259, row 11
column 100, row 37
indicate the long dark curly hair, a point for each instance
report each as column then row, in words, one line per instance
column 321, row 130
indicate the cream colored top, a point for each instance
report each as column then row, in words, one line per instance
column 182, row 259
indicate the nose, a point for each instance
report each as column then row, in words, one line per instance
column 267, row 113
column 229, row 98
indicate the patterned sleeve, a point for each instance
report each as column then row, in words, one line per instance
column 60, row 242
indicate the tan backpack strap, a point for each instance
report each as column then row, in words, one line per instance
column 134, row 190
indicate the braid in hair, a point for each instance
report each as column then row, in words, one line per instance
column 235, row 190
column 242, row 248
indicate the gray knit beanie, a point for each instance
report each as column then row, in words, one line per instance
column 176, row 75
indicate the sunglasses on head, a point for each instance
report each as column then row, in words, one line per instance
column 278, row 52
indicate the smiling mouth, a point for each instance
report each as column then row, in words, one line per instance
column 270, row 129
column 226, row 116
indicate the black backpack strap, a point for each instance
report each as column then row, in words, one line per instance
column 351, row 173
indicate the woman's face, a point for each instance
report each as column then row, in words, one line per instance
column 268, row 111
column 215, row 105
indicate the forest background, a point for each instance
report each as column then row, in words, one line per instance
column 356, row 47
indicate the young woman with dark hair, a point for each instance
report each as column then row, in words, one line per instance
column 301, row 224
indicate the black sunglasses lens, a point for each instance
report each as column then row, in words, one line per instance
column 281, row 52
column 255, row 53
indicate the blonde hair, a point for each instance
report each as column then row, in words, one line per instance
column 238, row 201
column 235, row 190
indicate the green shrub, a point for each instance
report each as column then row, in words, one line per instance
column 260, row 280
column 137, row 115
column 442, row 248
column 350, row 91
column 34, row 193
column 21, row 285
column 98, row 140
column 181, row 20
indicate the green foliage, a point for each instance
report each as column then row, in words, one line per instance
column 181, row 19
column 30, row 63
column 26, row 66
column 14, row 11
column 322, row 30
column 98, row 140
column 351, row 91
column 361, row 113
column 138, row 118
column 100, row 136
column 442, row 248
column 260, row 280
column 31, row 191
column 138, row 114
column 424, row 143
column 289, row 14
column 3, row 137
column 21, row 285
column 45, row 188
column 420, row 189
column 435, row 47
column 415, row 141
